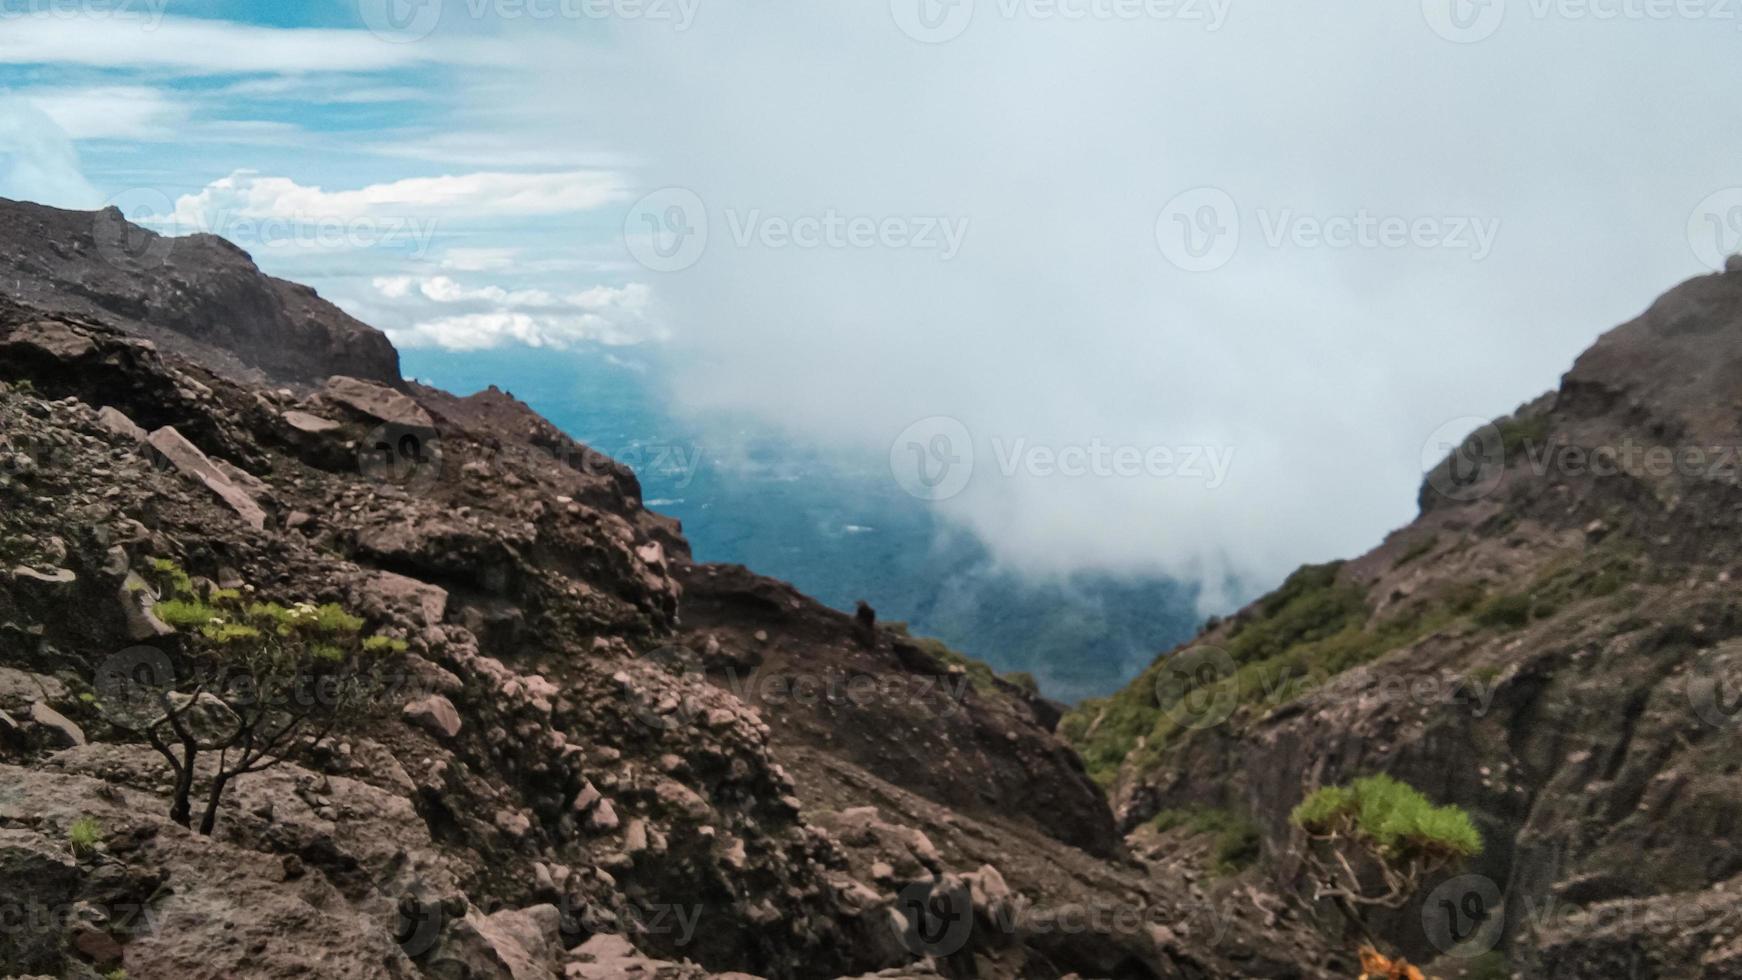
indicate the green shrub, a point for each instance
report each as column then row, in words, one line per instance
column 1504, row 612
column 1238, row 847
column 1309, row 606
column 286, row 672
column 186, row 614
column 171, row 579
column 84, row 835
column 1390, row 816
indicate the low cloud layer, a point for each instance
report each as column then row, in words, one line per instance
column 1187, row 287
column 440, row 312
column 1304, row 241
column 469, row 197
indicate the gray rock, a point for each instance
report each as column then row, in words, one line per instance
column 118, row 423
column 53, row 338
column 421, row 602
column 62, row 728
column 35, row 869
column 376, row 401
column 311, row 424
column 57, row 577
column 434, row 714
column 187, row 458
column 604, row 817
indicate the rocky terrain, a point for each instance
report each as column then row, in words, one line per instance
column 593, row 757
column 1552, row 645
column 590, row 757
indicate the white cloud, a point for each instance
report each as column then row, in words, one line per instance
column 330, row 89
column 479, row 259
column 438, row 311
column 1061, row 321
column 213, row 47
column 37, row 159
column 119, row 112
column 251, row 196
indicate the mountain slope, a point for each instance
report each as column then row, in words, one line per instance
column 197, row 295
column 1551, row 645
column 596, row 759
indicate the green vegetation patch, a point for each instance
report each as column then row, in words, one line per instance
column 83, row 835
column 1238, row 841
column 1310, row 626
column 1395, row 819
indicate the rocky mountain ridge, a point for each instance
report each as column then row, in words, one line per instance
column 1552, row 645
column 594, row 757
column 598, row 758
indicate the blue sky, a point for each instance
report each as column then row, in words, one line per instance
column 1310, row 241
column 340, row 155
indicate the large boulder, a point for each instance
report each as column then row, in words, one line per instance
column 376, row 401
